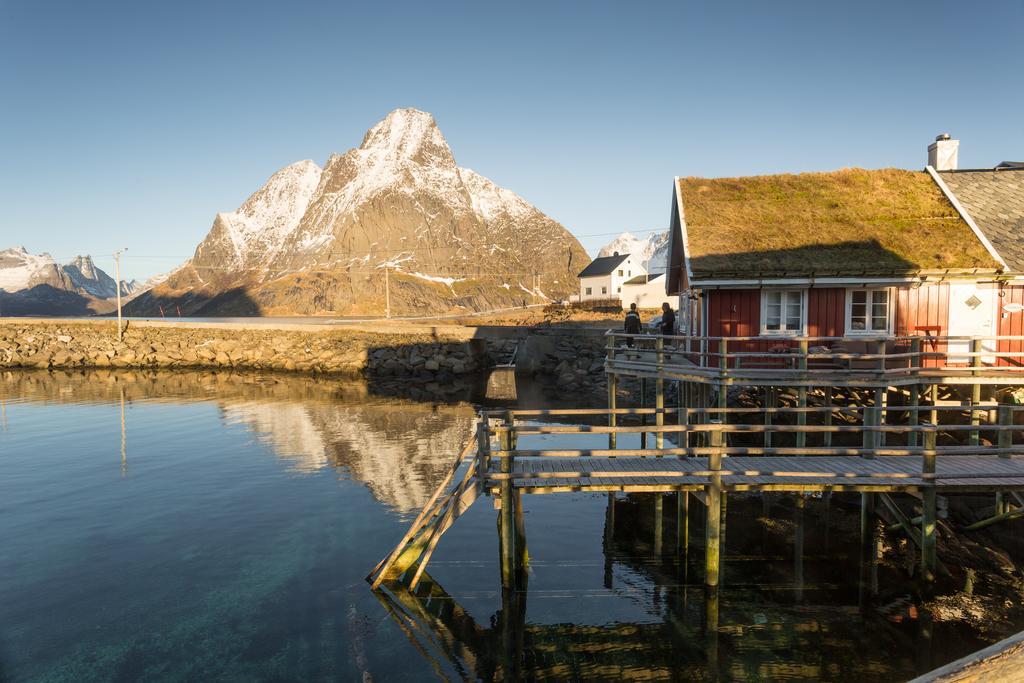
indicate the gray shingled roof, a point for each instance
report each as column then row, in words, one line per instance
column 603, row 265
column 995, row 200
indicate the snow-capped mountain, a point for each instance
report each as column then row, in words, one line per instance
column 315, row 240
column 33, row 284
column 652, row 250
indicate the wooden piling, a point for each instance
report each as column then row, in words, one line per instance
column 928, row 517
column 506, row 521
column 613, row 388
column 659, row 511
column 712, row 528
column 659, row 391
column 975, row 435
column 870, row 438
column 798, row 545
column 643, row 403
column 827, row 436
column 801, row 396
column 915, row 389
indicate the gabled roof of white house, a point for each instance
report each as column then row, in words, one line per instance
column 994, row 199
column 851, row 222
column 644, row 279
column 603, row 265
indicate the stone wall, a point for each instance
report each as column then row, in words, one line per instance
column 40, row 344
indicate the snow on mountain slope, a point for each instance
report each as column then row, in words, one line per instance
column 253, row 233
column 652, row 250
column 22, row 270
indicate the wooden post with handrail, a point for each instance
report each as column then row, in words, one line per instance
column 915, row 389
column 1005, row 435
column 975, row 436
column 871, row 420
column 506, row 514
column 881, row 394
column 929, row 561
column 713, row 527
column 801, row 395
column 827, row 436
column 613, row 386
column 659, row 390
column 1005, row 442
column 723, row 371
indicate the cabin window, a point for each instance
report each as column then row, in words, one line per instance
column 604, row 290
column 619, row 290
column 620, row 272
column 588, row 291
column 782, row 311
column 867, row 311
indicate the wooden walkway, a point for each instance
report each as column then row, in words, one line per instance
column 704, row 455
column 954, row 473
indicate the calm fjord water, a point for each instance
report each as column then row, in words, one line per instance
column 199, row 526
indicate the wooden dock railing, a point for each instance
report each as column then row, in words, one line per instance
column 895, row 360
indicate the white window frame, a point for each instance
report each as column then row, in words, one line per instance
column 589, row 291
column 765, row 332
column 604, row 289
column 889, row 310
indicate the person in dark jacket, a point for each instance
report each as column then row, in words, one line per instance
column 668, row 319
column 632, row 324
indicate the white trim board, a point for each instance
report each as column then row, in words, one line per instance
column 966, row 216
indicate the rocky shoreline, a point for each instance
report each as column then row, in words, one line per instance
column 62, row 344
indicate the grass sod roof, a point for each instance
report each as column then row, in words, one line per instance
column 846, row 222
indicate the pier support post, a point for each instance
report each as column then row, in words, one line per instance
column 929, row 559
column 801, row 396
column 643, row 403
column 798, row 546
column 867, row 520
column 770, row 401
column 659, row 512
column 506, row 521
column 915, row 390
column 713, row 530
column 659, row 392
column 872, row 418
column 827, row 436
column 975, row 435
column 613, row 399
column 683, row 523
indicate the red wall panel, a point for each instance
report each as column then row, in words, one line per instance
column 1011, row 325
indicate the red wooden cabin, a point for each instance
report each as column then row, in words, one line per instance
column 854, row 257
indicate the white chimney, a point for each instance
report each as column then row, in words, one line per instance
column 943, row 152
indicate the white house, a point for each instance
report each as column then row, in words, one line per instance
column 646, row 291
column 605, row 276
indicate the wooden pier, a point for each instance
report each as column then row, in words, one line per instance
column 710, row 453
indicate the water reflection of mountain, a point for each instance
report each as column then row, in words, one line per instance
column 399, row 447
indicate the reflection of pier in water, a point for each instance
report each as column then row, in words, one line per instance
column 810, row 631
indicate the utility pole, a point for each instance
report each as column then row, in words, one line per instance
column 387, row 293
column 117, row 286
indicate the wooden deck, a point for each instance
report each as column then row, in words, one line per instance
column 705, row 456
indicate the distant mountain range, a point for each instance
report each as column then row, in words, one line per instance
column 33, row 284
column 396, row 210
column 652, row 250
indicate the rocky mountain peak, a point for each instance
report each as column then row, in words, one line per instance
column 407, row 135
column 85, row 266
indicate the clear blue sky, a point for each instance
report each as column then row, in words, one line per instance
column 131, row 124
